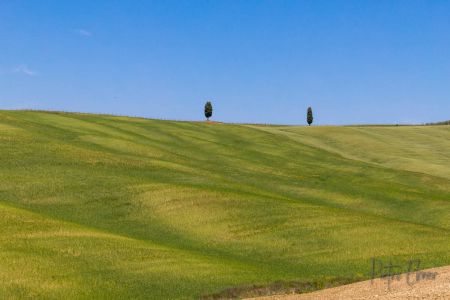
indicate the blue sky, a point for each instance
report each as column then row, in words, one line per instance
column 257, row 61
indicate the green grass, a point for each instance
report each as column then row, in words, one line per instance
column 114, row 207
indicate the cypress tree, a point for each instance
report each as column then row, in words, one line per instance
column 309, row 116
column 208, row 110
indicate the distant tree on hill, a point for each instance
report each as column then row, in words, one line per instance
column 208, row 110
column 309, row 116
column 439, row 123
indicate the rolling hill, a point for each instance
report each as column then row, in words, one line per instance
column 97, row 206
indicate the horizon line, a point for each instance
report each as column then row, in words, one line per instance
column 436, row 123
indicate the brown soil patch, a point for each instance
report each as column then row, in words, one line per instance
column 426, row 284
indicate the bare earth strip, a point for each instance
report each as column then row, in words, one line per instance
column 399, row 288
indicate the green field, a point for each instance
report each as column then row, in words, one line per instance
column 102, row 207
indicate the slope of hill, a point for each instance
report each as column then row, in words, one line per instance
column 412, row 148
column 112, row 207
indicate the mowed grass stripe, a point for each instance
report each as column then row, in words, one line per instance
column 47, row 258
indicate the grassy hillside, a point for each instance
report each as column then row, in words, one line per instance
column 412, row 148
column 111, row 207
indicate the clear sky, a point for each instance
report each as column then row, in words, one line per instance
column 257, row 61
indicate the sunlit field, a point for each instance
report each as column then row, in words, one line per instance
column 102, row 207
